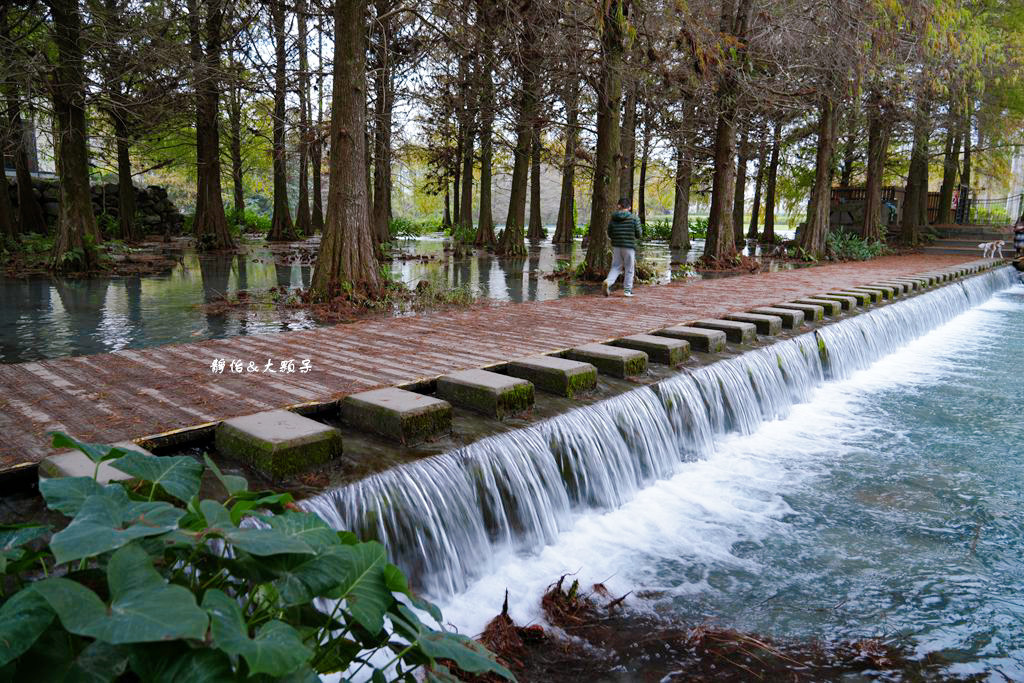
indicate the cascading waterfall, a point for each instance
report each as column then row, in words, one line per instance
column 443, row 518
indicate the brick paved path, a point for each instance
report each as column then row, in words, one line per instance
column 133, row 393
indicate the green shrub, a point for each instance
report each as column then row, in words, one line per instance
column 463, row 234
column 249, row 221
column 658, row 230
column 699, row 227
column 149, row 582
column 406, row 227
column 846, row 246
column 580, row 230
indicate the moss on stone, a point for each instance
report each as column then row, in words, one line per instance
column 515, row 400
column 636, row 366
column 278, row 461
column 581, row 382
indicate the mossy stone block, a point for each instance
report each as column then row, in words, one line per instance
column 899, row 288
column 831, row 306
column 486, row 392
column 78, row 464
column 847, row 301
column 396, row 414
column 875, row 294
column 278, row 443
column 664, row 350
column 888, row 292
column 862, row 298
column 736, row 331
column 812, row 312
column 768, row 325
column 792, row 318
column 699, row 339
column 560, row 376
column 611, row 360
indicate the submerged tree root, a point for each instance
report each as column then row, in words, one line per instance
column 595, row 639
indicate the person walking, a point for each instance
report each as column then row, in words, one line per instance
column 623, row 231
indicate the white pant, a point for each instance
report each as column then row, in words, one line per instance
column 623, row 260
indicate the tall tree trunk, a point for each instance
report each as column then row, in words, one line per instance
column 812, row 237
column 317, row 146
column 77, row 235
column 303, row 218
column 281, row 227
column 614, row 28
column 627, row 143
column 457, row 178
column 235, row 151
column 874, row 228
column 7, row 227
column 466, row 200
column 485, row 225
column 511, row 242
column 769, row 192
column 915, row 196
column 949, row 168
column 567, row 200
column 347, row 251
column 383, row 116
column 719, row 243
column 642, row 187
column 680, row 238
column 30, row 213
column 125, row 187
column 210, row 223
column 536, row 231
column 740, row 191
column 849, row 146
column 755, row 211
column 965, row 174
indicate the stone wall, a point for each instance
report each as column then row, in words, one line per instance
column 153, row 210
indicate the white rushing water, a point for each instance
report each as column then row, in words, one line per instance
column 623, row 490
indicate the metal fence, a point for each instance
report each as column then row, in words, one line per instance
column 998, row 211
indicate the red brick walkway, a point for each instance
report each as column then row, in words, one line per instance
column 129, row 394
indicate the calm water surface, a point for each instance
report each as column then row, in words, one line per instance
column 42, row 318
column 890, row 506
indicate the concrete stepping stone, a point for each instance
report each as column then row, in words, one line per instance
column 555, row 375
column 664, row 350
column 611, row 360
column 847, row 301
column 791, row 318
column 403, row 416
column 914, row 284
column 700, row 339
column 862, row 298
column 769, row 325
column 874, row 296
column 486, row 392
column 78, row 464
column 736, row 331
column 888, row 293
column 899, row 288
column 811, row 312
column 831, row 306
column 278, row 443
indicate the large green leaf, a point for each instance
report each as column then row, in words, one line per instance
column 176, row 663
column 466, row 653
column 397, row 583
column 22, row 619
column 232, row 483
column 277, row 649
column 102, row 525
column 99, row 662
column 68, row 494
column 12, row 537
column 307, row 527
column 300, row 578
column 362, row 583
column 96, row 452
column 177, row 475
column 142, row 609
column 256, row 541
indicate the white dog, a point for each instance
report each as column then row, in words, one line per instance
column 990, row 249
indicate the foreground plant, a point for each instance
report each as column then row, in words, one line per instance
column 150, row 582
